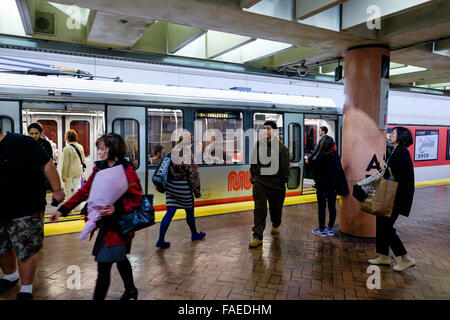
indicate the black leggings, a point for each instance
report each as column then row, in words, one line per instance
column 104, row 277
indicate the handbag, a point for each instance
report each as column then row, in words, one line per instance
column 362, row 188
column 381, row 199
column 138, row 219
column 161, row 174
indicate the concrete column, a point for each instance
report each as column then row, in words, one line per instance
column 363, row 132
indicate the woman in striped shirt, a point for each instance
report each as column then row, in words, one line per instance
column 183, row 180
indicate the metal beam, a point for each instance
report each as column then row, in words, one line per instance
column 290, row 57
column 22, row 6
column 179, row 36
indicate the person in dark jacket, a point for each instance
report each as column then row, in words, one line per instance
column 110, row 246
column 35, row 131
column 401, row 166
column 329, row 178
column 183, row 180
column 268, row 187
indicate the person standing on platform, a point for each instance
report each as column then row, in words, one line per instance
column 269, row 187
column 323, row 131
column 110, row 247
column 329, row 177
column 401, row 166
column 158, row 154
column 73, row 164
column 183, row 180
column 22, row 206
column 35, row 131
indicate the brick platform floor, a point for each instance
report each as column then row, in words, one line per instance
column 293, row 265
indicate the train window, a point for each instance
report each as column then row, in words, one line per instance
column 161, row 124
column 222, row 134
column 129, row 130
column 6, row 124
column 50, row 130
column 448, row 145
column 294, row 142
column 82, row 128
column 294, row 178
column 260, row 118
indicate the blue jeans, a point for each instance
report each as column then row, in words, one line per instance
column 190, row 219
column 322, row 198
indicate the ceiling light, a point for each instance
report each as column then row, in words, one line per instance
column 403, row 70
column 257, row 49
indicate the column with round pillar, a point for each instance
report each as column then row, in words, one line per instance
column 363, row 133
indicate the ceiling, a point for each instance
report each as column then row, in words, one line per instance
column 288, row 36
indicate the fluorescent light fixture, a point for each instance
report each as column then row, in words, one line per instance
column 194, row 49
column 407, row 69
column 80, row 15
column 10, row 19
column 254, row 50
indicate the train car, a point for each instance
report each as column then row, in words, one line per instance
column 147, row 116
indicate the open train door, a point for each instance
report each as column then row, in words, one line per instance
column 10, row 116
column 130, row 123
column 293, row 137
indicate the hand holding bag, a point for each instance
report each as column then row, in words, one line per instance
column 138, row 219
column 381, row 199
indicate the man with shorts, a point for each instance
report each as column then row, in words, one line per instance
column 23, row 164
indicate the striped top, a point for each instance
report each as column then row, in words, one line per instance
column 179, row 194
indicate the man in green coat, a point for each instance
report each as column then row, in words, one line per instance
column 269, row 175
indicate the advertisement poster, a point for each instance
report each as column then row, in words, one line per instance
column 426, row 147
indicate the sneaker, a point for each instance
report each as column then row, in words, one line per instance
column 162, row 244
column 198, row 236
column 402, row 266
column 380, row 260
column 6, row 285
column 320, row 232
column 330, row 231
column 24, row 296
column 255, row 243
column 275, row 230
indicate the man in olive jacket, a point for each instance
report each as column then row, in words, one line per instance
column 269, row 182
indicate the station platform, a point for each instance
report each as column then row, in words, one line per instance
column 292, row 265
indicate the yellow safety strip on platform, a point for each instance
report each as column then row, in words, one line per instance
column 72, row 225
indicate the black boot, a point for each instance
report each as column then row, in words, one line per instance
column 6, row 285
column 130, row 294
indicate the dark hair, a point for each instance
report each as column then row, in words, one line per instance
column 36, row 126
column 271, row 123
column 324, row 129
column 158, row 149
column 404, row 136
column 327, row 145
column 115, row 144
column 71, row 136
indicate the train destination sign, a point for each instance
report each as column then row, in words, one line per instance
column 426, row 146
column 219, row 115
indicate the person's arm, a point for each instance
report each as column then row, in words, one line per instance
column 133, row 196
column 53, row 178
column 194, row 179
column 284, row 165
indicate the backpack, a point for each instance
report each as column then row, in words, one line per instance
column 161, row 174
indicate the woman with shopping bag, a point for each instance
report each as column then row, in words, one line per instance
column 110, row 245
column 400, row 169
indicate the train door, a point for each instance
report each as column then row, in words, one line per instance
column 130, row 123
column 293, row 123
column 10, row 116
column 56, row 119
column 312, row 124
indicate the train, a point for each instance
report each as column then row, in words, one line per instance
column 148, row 115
